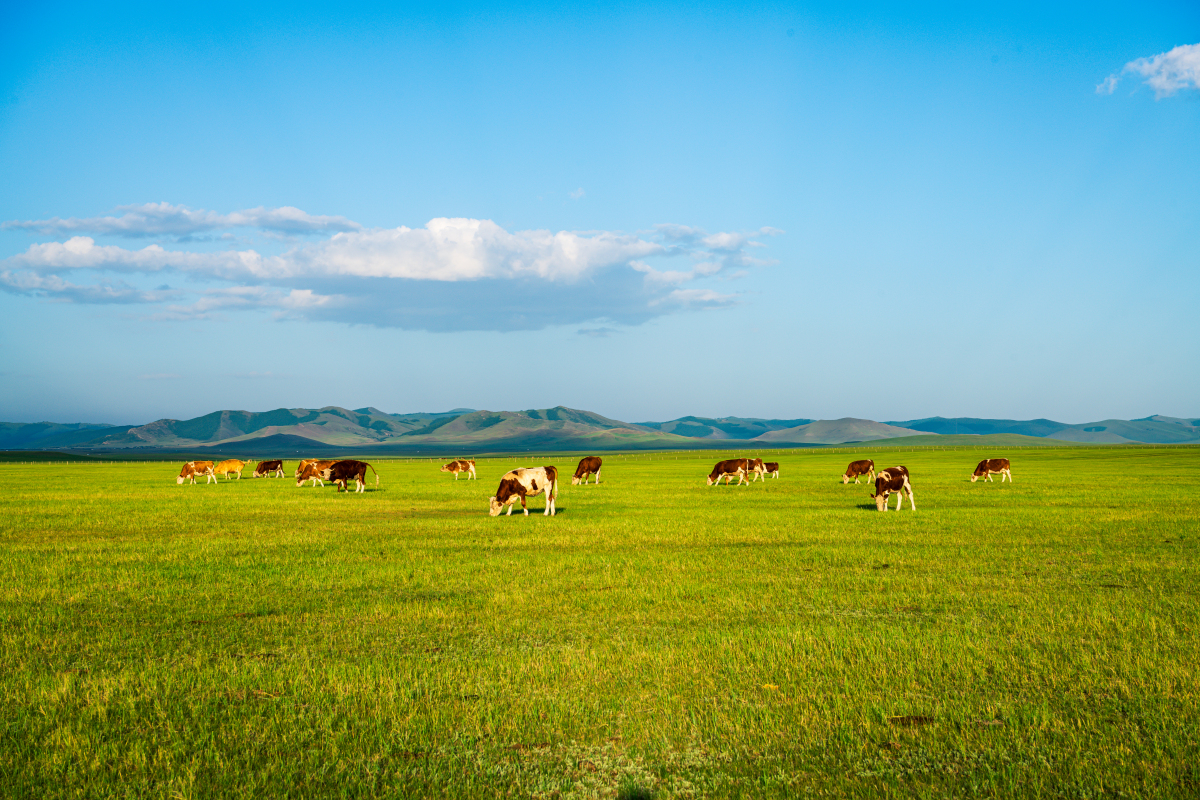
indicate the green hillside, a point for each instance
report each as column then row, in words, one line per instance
column 723, row 427
column 834, row 431
column 992, row 440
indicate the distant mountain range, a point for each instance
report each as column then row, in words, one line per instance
column 332, row 429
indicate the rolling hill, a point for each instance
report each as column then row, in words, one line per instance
column 723, row 427
column 1151, row 430
column 834, row 431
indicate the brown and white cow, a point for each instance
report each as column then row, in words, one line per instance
column 461, row 465
column 772, row 468
column 992, row 466
column 588, row 465
column 729, row 469
column 858, row 468
column 524, row 482
column 193, row 468
column 230, row 466
column 758, row 468
column 893, row 479
column 340, row 472
column 273, row 469
column 304, row 462
column 313, row 470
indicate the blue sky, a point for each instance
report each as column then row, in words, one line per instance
column 800, row 210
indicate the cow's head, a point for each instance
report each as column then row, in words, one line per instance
column 881, row 500
column 845, row 478
column 494, row 507
column 445, row 468
column 575, row 480
column 974, row 477
column 180, row 480
column 711, row 481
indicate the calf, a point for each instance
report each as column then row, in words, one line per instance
column 734, row 467
column 193, row 468
column 461, row 466
column 525, row 482
column 342, row 471
column 273, row 469
column 857, row 468
column 313, row 470
column 772, row 468
column 228, row 466
column 588, row 465
column 893, row 479
column 992, row 466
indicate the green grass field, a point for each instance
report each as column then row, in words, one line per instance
column 658, row 638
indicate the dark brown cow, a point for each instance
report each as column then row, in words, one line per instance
column 992, row 466
column 342, row 471
column 524, row 482
column 313, row 470
column 588, row 465
column 729, row 469
column 772, row 468
column 893, row 479
column 193, row 468
column 271, row 468
column 461, row 465
column 858, row 468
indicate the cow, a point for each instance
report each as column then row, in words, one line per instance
column 461, row 466
column 312, row 470
column 758, row 468
column 772, row 468
column 892, row 479
column 857, row 468
column 524, row 482
column 734, row 467
column 588, row 465
column 304, row 462
column 992, row 466
column 230, row 465
column 340, row 472
column 193, row 468
column 273, row 469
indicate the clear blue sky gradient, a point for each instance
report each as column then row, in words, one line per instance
column 968, row 227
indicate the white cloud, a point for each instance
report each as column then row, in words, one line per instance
column 578, row 194
column 1165, row 73
column 451, row 274
column 165, row 219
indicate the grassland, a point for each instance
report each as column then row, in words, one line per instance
column 657, row 638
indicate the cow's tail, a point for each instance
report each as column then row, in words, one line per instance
column 376, row 475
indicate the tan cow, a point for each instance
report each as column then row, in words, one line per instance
column 525, row 482
column 992, row 466
column 228, row 466
column 461, row 465
column 193, row 468
column 313, row 470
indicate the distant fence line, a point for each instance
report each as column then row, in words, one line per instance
column 659, row 455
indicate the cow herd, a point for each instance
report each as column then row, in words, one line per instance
column 524, row 482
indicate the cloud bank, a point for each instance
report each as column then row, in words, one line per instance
column 164, row 219
column 451, row 274
column 1165, row 73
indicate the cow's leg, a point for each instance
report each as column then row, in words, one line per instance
column 597, row 476
column 510, row 508
column 524, row 507
column 912, row 501
column 899, row 499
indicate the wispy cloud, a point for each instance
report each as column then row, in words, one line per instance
column 578, row 194
column 159, row 376
column 597, row 333
column 1165, row 73
column 165, row 219
column 451, row 274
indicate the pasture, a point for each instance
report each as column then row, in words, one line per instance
column 658, row 638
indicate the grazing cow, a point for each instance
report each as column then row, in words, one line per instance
column 525, row 482
column 992, row 466
column 193, row 468
column 772, row 468
column 342, row 471
column 461, row 466
column 588, row 465
column 734, row 467
column 893, row 479
column 758, row 468
column 273, row 469
column 230, row 465
column 313, row 470
column 857, row 468
column 304, row 462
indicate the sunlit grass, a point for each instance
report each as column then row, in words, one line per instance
column 657, row 636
